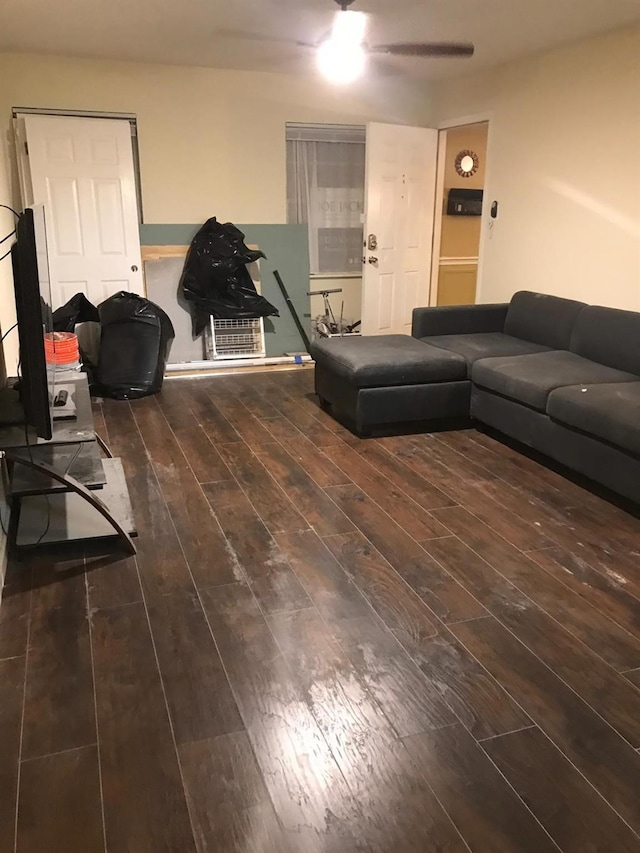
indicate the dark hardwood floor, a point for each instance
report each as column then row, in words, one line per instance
column 423, row 643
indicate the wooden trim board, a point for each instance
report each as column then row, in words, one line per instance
column 154, row 253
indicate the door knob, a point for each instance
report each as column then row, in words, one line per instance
column 134, row 268
column 372, row 259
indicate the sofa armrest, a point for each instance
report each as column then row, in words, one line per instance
column 458, row 320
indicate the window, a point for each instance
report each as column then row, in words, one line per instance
column 325, row 190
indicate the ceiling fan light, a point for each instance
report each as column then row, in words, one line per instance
column 341, row 63
column 349, row 27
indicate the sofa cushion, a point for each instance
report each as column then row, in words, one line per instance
column 610, row 336
column 542, row 319
column 608, row 412
column 529, row 379
column 381, row 360
column 483, row 345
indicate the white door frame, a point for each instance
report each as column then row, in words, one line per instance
column 16, row 112
column 101, row 260
column 450, row 124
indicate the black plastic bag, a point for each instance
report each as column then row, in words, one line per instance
column 77, row 310
column 134, row 347
column 81, row 316
column 216, row 281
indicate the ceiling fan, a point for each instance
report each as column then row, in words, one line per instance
column 422, row 49
column 343, row 53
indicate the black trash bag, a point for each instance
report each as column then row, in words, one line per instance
column 81, row 316
column 77, row 310
column 216, row 281
column 134, row 347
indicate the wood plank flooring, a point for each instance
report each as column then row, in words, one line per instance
column 423, row 643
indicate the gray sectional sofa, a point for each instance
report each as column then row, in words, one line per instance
column 557, row 375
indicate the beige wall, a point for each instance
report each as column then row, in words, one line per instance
column 211, row 142
column 562, row 162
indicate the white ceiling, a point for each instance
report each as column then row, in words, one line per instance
column 208, row 32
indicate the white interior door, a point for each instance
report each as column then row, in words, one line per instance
column 399, row 217
column 82, row 170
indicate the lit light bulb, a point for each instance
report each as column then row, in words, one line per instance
column 349, row 27
column 341, row 63
column 342, row 57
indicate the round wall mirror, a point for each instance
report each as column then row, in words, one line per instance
column 467, row 163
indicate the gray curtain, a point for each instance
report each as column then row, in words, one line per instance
column 325, row 190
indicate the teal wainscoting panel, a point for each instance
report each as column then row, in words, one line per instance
column 287, row 250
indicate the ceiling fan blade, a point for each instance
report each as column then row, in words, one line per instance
column 426, row 49
column 246, row 35
column 263, row 38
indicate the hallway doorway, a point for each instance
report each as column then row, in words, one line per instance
column 459, row 213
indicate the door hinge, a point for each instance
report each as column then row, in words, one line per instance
column 26, row 147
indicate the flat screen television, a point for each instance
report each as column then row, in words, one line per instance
column 33, row 309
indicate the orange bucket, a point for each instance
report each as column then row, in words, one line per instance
column 61, row 348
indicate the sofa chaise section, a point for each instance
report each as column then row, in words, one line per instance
column 556, row 375
column 389, row 379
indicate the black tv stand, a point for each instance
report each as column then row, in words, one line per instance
column 70, row 471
